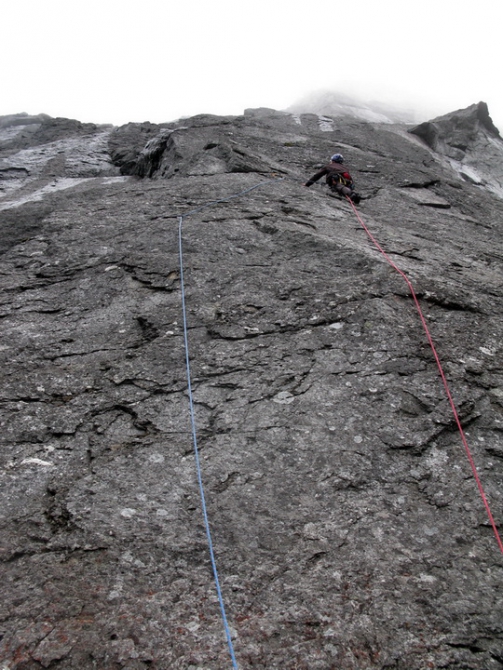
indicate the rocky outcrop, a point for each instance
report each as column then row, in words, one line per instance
column 454, row 133
column 347, row 527
column 205, row 147
column 127, row 142
column 470, row 142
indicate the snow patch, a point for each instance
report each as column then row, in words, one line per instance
column 78, row 158
column 37, row 461
column 114, row 180
column 470, row 174
column 481, row 165
column 56, row 185
column 59, row 184
column 7, row 134
column 325, row 124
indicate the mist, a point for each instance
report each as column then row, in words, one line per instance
column 113, row 63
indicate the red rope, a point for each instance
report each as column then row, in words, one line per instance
column 442, row 375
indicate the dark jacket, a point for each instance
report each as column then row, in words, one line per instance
column 333, row 171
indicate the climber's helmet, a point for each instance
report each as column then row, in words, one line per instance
column 337, row 158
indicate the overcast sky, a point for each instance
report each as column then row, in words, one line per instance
column 114, row 61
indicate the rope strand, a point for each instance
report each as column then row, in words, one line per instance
column 442, row 375
column 196, row 454
column 192, row 413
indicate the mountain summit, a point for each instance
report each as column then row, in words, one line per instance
column 336, row 104
column 348, row 529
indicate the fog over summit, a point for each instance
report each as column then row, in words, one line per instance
column 333, row 103
column 348, row 529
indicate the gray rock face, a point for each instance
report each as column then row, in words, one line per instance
column 348, row 529
column 470, row 142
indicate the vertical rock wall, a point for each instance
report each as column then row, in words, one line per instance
column 347, row 527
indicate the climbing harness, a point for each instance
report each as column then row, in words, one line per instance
column 442, row 374
column 192, row 413
column 337, row 178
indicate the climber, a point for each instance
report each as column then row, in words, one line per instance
column 338, row 178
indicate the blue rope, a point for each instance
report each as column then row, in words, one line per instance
column 192, row 413
column 196, row 453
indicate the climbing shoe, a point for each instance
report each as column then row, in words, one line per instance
column 355, row 197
